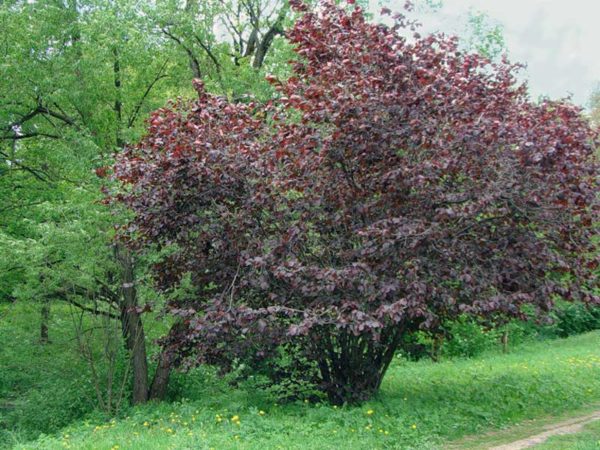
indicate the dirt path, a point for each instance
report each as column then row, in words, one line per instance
column 564, row 427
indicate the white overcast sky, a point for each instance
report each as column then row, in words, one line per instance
column 559, row 40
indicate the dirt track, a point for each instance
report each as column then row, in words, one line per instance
column 565, row 427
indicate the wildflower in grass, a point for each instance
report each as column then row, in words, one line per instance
column 261, row 413
column 386, row 432
column 169, row 430
column 370, row 412
column 414, row 426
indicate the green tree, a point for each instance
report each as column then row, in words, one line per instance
column 595, row 107
column 77, row 79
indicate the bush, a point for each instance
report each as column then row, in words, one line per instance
column 576, row 318
column 391, row 187
column 467, row 339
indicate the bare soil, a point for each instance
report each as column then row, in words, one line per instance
column 565, row 427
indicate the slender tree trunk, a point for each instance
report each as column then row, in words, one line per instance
column 504, row 341
column 436, row 348
column 132, row 326
column 160, row 382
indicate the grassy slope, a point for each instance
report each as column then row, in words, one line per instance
column 421, row 405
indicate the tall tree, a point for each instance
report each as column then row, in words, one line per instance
column 79, row 78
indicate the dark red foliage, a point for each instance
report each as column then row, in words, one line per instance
column 392, row 185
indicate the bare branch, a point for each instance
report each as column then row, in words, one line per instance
column 137, row 108
column 194, row 64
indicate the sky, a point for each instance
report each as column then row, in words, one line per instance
column 559, row 40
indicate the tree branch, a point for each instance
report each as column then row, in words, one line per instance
column 137, row 108
column 64, row 297
column 194, row 64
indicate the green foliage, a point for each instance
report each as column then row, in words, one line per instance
column 286, row 376
column 484, row 35
column 469, row 339
column 594, row 106
column 576, row 318
column 42, row 387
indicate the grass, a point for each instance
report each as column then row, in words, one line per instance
column 421, row 405
column 588, row 439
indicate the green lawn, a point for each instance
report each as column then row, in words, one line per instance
column 422, row 405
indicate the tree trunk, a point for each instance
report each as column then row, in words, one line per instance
column 132, row 326
column 160, row 382
column 504, row 341
column 436, row 348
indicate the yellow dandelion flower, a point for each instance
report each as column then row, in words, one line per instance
column 261, row 413
column 235, row 418
column 370, row 412
column 146, row 424
column 414, row 426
